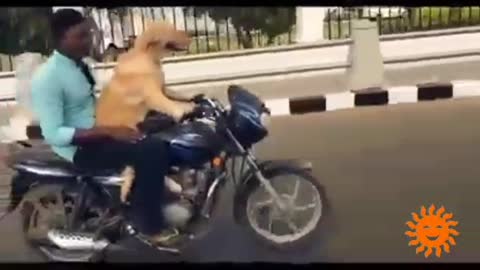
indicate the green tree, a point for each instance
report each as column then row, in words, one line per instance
column 28, row 29
column 271, row 21
column 25, row 30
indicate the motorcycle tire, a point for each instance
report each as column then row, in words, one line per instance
column 305, row 241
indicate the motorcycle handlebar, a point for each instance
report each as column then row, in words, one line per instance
column 189, row 116
column 198, row 112
column 198, row 98
column 203, row 106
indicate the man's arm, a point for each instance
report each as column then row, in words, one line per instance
column 90, row 135
column 47, row 101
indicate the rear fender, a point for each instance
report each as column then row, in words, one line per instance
column 23, row 182
column 20, row 185
column 248, row 178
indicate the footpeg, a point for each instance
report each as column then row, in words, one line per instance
column 76, row 241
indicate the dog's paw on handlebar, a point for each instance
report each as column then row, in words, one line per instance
column 197, row 112
column 198, row 98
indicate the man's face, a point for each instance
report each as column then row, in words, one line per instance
column 78, row 40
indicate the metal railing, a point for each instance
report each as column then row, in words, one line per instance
column 392, row 20
column 208, row 35
column 116, row 28
column 119, row 25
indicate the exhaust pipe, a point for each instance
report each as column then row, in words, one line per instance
column 76, row 241
column 86, row 245
column 59, row 256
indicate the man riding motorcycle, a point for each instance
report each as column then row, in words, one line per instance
column 63, row 100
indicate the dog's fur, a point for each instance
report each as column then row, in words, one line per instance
column 137, row 85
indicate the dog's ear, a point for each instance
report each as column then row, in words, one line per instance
column 146, row 41
column 158, row 36
column 180, row 36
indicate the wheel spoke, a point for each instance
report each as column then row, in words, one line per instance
column 270, row 223
column 295, row 191
column 292, row 226
column 287, row 212
column 254, row 209
column 263, row 203
column 305, row 207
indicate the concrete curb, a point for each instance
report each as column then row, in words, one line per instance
column 375, row 96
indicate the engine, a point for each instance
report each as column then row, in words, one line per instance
column 191, row 187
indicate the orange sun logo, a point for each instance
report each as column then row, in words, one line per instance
column 432, row 230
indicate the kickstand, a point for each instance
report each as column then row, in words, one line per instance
column 142, row 238
column 111, row 248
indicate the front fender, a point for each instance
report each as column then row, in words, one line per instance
column 292, row 163
column 265, row 167
column 274, row 164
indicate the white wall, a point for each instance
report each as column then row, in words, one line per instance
column 328, row 55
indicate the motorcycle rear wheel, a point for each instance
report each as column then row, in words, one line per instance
column 48, row 207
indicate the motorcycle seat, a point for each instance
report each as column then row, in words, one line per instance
column 45, row 161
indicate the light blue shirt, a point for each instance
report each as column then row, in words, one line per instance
column 62, row 101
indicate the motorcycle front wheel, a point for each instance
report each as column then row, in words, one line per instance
column 297, row 225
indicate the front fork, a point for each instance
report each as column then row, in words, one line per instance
column 207, row 205
column 258, row 173
column 265, row 182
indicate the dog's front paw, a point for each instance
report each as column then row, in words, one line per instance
column 183, row 110
column 188, row 107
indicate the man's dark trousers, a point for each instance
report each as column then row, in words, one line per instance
column 149, row 158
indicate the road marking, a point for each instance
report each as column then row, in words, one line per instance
column 330, row 102
column 402, row 94
column 340, row 101
column 278, row 106
column 396, row 95
column 463, row 89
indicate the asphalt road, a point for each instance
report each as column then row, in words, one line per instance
column 377, row 164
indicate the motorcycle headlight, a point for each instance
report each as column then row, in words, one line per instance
column 265, row 119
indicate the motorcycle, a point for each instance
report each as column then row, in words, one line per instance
column 70, row 214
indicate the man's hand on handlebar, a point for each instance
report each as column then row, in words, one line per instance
column 203, row 106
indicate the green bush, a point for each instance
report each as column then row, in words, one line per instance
column 415, row 19
column 444, row 16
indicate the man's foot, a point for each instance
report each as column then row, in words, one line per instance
column 167, row 237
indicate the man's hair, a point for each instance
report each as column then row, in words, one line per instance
column 64, row 19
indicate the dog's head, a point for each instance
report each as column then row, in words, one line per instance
column 161, row 38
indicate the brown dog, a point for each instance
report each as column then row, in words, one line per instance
column 137, row 85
